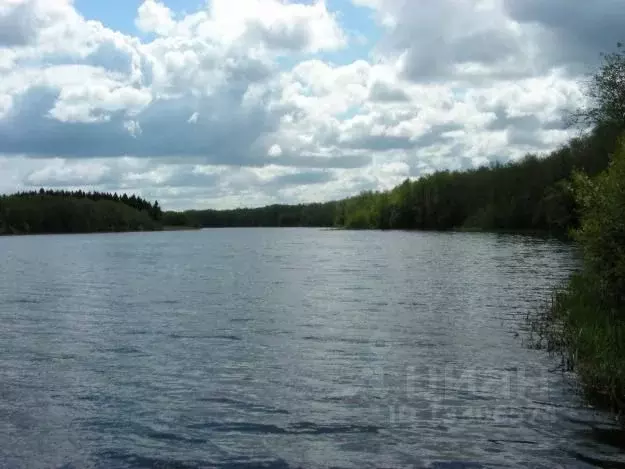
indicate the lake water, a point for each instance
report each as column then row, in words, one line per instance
column 285, row 348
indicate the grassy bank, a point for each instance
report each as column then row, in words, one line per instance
column 585, row 321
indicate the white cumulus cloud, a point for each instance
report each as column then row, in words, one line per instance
column 249, row 102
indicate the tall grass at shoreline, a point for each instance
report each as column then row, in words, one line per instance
column 585, row 320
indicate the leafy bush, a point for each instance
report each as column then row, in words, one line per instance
column 602, row 230
column 586, row 320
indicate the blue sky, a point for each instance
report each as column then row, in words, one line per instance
column 116, row 14
column 360, row 23
column 120, row 14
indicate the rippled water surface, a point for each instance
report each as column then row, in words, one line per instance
column 285, row 348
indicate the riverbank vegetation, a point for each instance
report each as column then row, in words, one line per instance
column 585, row 321
column 48, row 211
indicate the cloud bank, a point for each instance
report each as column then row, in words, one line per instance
column 263, row 101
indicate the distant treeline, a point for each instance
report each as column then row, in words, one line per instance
column 312, row 215
column 532, row 194
column 49, row 211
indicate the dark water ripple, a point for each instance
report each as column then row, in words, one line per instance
column 284, row 349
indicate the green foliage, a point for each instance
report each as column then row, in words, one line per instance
column 586, row 320
column 359, row 220
column 75, row 212
column 591, row 342
column 606, row 93
column 558, row 206
column 176, row 219
column 273, row 215
column 602, row 231
column 531, row 194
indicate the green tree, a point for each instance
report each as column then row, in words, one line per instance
column 606, row 93
column 602, row 229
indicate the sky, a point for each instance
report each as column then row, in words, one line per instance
column 229, row 103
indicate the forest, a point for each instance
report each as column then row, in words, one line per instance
column 50, row 211
column 533, row 194
column 585, row 319
column 303, row 215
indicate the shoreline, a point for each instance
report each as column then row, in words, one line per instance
column 522, row 232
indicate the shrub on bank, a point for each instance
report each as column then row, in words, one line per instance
column 586, row 320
